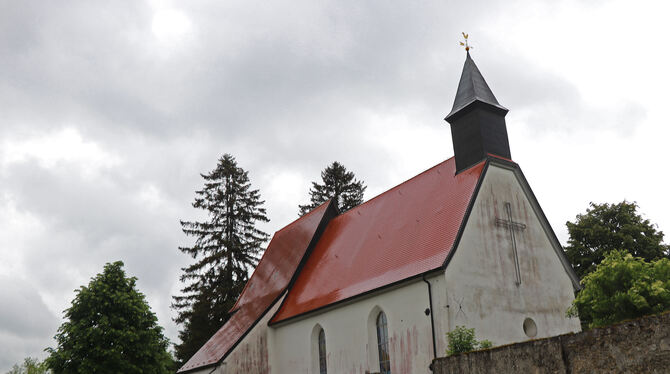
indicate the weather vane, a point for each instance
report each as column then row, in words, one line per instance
column 465, row 44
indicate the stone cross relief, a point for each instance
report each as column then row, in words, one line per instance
column 512, row 226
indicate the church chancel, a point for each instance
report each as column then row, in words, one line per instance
column 376, row 289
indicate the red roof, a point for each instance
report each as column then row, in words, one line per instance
column 404, row 232
column 269, row 280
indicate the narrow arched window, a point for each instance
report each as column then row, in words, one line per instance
column 322, row 352
column 383, row 344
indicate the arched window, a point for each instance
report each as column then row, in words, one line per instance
column 322, row 352
column 383, row 344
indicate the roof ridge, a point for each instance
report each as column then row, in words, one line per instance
column 237, row 305
column 301, row 217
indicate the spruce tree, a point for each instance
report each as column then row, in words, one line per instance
column 226, row 247
column 339, row 185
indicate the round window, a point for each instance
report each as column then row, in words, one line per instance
column 529, row 327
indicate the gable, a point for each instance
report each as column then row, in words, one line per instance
column 402, row 233
column 275, row 269
column 516, row 185
column 482, row 285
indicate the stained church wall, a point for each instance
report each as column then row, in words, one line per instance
column 482, row 286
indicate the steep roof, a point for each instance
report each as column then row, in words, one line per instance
column 402, row 233
column 271, row 277
column 472, row 87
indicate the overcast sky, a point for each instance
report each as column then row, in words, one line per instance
column 109, row 112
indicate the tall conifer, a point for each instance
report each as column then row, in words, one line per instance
column 226, row 246
column 339, row 185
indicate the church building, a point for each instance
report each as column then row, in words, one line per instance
column 376, row 289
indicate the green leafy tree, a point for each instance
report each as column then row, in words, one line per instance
column 622, row 287
column 339, row 185
column 110, row 329
column 30, row 366
column 462, row 339
column 226, row 247
column 607, row 227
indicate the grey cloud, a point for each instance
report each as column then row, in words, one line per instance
column 15, row 348
column 243, row 70
column 553, row 104
column 87, row 222
column 23, row 312
column 103, row 212
column 26, row 324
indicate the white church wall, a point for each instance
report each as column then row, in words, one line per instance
column 351, row 340
column 481, row 280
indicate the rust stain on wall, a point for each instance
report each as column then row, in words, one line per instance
column 404, row 347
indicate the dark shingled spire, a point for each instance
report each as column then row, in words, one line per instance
column 472, row 87
column 477, row 120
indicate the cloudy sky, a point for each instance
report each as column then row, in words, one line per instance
column 110, row 110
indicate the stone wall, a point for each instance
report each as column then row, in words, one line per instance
column 637, row 346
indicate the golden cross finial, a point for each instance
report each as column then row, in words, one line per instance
column 465, row 44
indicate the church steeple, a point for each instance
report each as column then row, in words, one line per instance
column 477, row 120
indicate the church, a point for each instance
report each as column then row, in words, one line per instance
column 376, row 289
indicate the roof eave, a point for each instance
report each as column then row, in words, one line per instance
column 464, row 108
column 384, row 288
column 466, row 216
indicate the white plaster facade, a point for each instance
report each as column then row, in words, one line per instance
column 478, row 289
column 481, row 289
column 351, row 339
